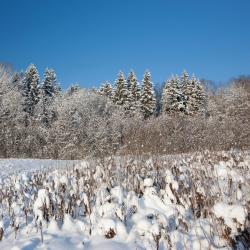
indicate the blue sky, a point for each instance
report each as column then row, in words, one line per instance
column 89, row 41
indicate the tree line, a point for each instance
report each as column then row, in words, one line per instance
column 179, row 95
column 39, row 119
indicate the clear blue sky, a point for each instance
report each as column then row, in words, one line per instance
column 89, row 41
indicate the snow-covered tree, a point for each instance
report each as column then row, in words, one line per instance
column 120, row 96
column 200, row 97
column 147, row 99
column 158, row 89
column 50, row 86
column 134, row 91
column 183, row 95
column 30, row 90
column 172, row 97
column 184, row 81
column 49, row 90
column 11, row 114
column 195, row 97
column 106, row 90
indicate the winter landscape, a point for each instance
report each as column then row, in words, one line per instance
column 151, row 158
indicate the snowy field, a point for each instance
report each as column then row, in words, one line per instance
column 198, row 201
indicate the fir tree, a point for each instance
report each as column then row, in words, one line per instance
column 50, row 86
column 158, row 89
column 120, row 96
column 172, row 97
column 48, row 92
column 184, row 81
column 194, row 95
column 147, row 99
column 133, row 87
column 183, row 95
column 30, row 90
column 201, row 98
column 133, row 92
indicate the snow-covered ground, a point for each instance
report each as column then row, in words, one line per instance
column 10, row 166
column 196, row 201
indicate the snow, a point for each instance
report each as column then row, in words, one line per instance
column 81, row 205
column 41, row 202
column 148, row 182
column 232, row 214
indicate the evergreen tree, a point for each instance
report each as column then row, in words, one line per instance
column 48, row 92
column 201, row 98
column 147, row 99
column 194, row 96
column 50, row 87
column 106, row 90
column 172, row 97
column 184, row 81
column 133, row 87
column 30, row 90
column 183, row 95
column 133, row 91
column 120, row 96
column 158, row 89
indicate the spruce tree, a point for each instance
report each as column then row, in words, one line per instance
column 50, row 86
column 120, row 96
column 48, row 92
column 195, row 96
column 168, row 96
column 172, row 97
column 133, row 87
column 201, row 98
column 30, row 90
column 147, row 99
column 184, row 81
column 183, row 95
column 133, row 91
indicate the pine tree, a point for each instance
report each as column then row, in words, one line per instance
column 120, row 96
column 106, row 90
column 134, row 90
column 201, row 98
column 30, row 90
column 50, row 86
column 196, row 96
column 183, row 95
column 148, row 102
column 48, row 92
column 172, row 97
column 184, row 81
column 168, row 96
